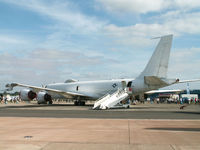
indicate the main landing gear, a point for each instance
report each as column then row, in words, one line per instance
column 79, row 103
column 50, row 102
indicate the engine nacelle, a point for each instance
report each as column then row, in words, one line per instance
column 43, row 98
column 27, row 95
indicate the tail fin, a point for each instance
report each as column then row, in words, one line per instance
column 158, row 64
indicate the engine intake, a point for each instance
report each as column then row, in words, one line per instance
column 43, row 98
column 27, row 95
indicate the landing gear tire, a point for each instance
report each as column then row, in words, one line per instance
column 82, row 103
column 76, row 103
column 50, row 102
column 42, row 103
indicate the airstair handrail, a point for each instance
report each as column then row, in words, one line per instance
column 102, row 97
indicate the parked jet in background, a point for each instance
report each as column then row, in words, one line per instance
column 153, row 77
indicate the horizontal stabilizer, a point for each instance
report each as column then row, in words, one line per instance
column 185, row 81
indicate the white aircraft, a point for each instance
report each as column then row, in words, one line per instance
column 153, row 77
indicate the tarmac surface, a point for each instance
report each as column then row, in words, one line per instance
column 141, row 111
column 64, row 126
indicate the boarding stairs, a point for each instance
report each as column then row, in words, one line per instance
column 110, row 100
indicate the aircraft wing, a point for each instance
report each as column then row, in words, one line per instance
column 36, row 88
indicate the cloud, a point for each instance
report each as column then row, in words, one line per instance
column 8, row 41
column 186, row 4
column 144, row 6
column 173, row 22
column 47, row 66
column 181, row 22
column 138, row 34
column 70, row 22
column 132, row 6
column 174, row 17
column 61, row 11
column 5, row 39
column 184, row 63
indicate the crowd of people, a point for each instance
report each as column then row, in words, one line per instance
column 11, row 99
column 174, row 100
column 5, row 99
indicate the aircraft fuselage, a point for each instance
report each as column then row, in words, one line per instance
column 97, row 89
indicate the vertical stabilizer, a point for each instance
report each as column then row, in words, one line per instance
column 158, row 64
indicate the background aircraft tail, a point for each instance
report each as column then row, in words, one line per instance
column 158, row 64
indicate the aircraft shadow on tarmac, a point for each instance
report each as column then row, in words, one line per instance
column 67, row 105
column 45, row 105
column 176, row 129
column 143, row 107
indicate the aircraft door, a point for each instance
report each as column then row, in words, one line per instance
column 129, row 84
column 123, row 84
column 130, row 90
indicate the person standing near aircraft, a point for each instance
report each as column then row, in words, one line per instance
column 5, row 99
column 1, row 98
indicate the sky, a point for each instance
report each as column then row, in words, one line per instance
column 48, row 41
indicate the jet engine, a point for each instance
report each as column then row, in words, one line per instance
column 27, row 95
column 43, row 98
